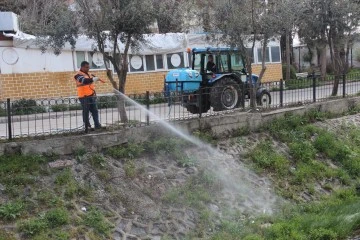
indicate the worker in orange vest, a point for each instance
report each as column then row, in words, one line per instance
column 87, row 95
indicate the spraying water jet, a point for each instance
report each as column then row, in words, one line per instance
column 243, row 189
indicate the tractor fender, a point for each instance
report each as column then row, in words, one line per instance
column 220, row 76
column 261, row 90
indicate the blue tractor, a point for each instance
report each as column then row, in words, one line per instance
column 217, row 79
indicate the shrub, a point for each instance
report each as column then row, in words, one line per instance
column 265, row 157
column 302, row 151
column 307, row 57
column 331, row 147
column 2, row 110
column 129, row 151
column 32, row 227
column 323, row 234
column 75, row 107
column 57, row 217
column 357, row 55
column 292, row 72
column 59, row 108
column 95, row 219
column 64, row 177
column 26, row 106
column 11, row 210
column 106, row 102
column 97, row 160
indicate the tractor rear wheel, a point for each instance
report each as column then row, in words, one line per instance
column 225, row 94
column 205, row 106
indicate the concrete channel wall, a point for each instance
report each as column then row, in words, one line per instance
column 221, row 126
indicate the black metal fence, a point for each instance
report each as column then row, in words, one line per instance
column 29, row 118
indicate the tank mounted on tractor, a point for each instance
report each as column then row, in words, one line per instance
column 217, row 79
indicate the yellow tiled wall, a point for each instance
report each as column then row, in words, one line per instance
column 62, row 84
column 273, row 72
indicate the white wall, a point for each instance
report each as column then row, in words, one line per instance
column 356, row 50
column 32, row 60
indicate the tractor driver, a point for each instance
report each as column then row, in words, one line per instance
column 210, row 66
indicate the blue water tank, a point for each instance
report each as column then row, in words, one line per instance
column 183, row 79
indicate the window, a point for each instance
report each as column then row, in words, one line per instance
column 275, row 54
column 175, row 60
column 260, row 56
column 96, row 60
column 236, row 62
column 197, row 62
column 80, row 57
column 150, row 63
column 159, row 62
column 136, row 63
column 223, row 65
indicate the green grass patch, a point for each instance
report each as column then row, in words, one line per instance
column 335, row 217
column 196, row 192
column 127, row 151
column 266, row 159
column 97, row 160
column 11, row 210
column 51, row 219
column 56, row 217
column 95, row 219
column 302, row 151
column 17, row 171
column 64, row 177
column 165, row 145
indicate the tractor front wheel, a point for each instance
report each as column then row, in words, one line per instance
column 264, row 99
column 225, row 94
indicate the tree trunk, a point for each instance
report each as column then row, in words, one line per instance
column 122, row 81
column 252, row 90
column 336, row 71
column 347, row 54
column 339, row 59
column 263, row 65
column 287, row 55
column 323, row 62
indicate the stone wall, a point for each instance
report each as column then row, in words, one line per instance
column 221, row 126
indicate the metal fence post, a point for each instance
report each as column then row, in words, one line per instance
column 314, row 87
column 281, row 92
column 200, row 102
column 8, row 106
column 344, row 86
column 148, row 108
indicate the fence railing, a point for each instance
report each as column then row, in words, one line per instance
column 29, row 118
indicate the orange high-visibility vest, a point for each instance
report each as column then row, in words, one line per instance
column 85, row 90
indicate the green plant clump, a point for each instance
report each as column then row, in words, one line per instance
column 128, row 151
column 95, row 219
column 264, row 157
column 59, row 107
column 26, row 106
column 11, row 210
column 51, row 219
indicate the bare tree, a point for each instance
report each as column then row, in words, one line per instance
column 169, row 15
column 241, row 24
column 330, row 23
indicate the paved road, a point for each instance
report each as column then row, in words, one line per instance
column 54, row 123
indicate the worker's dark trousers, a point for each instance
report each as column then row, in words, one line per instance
column 88, row 104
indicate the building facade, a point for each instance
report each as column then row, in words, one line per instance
column 27, row 72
